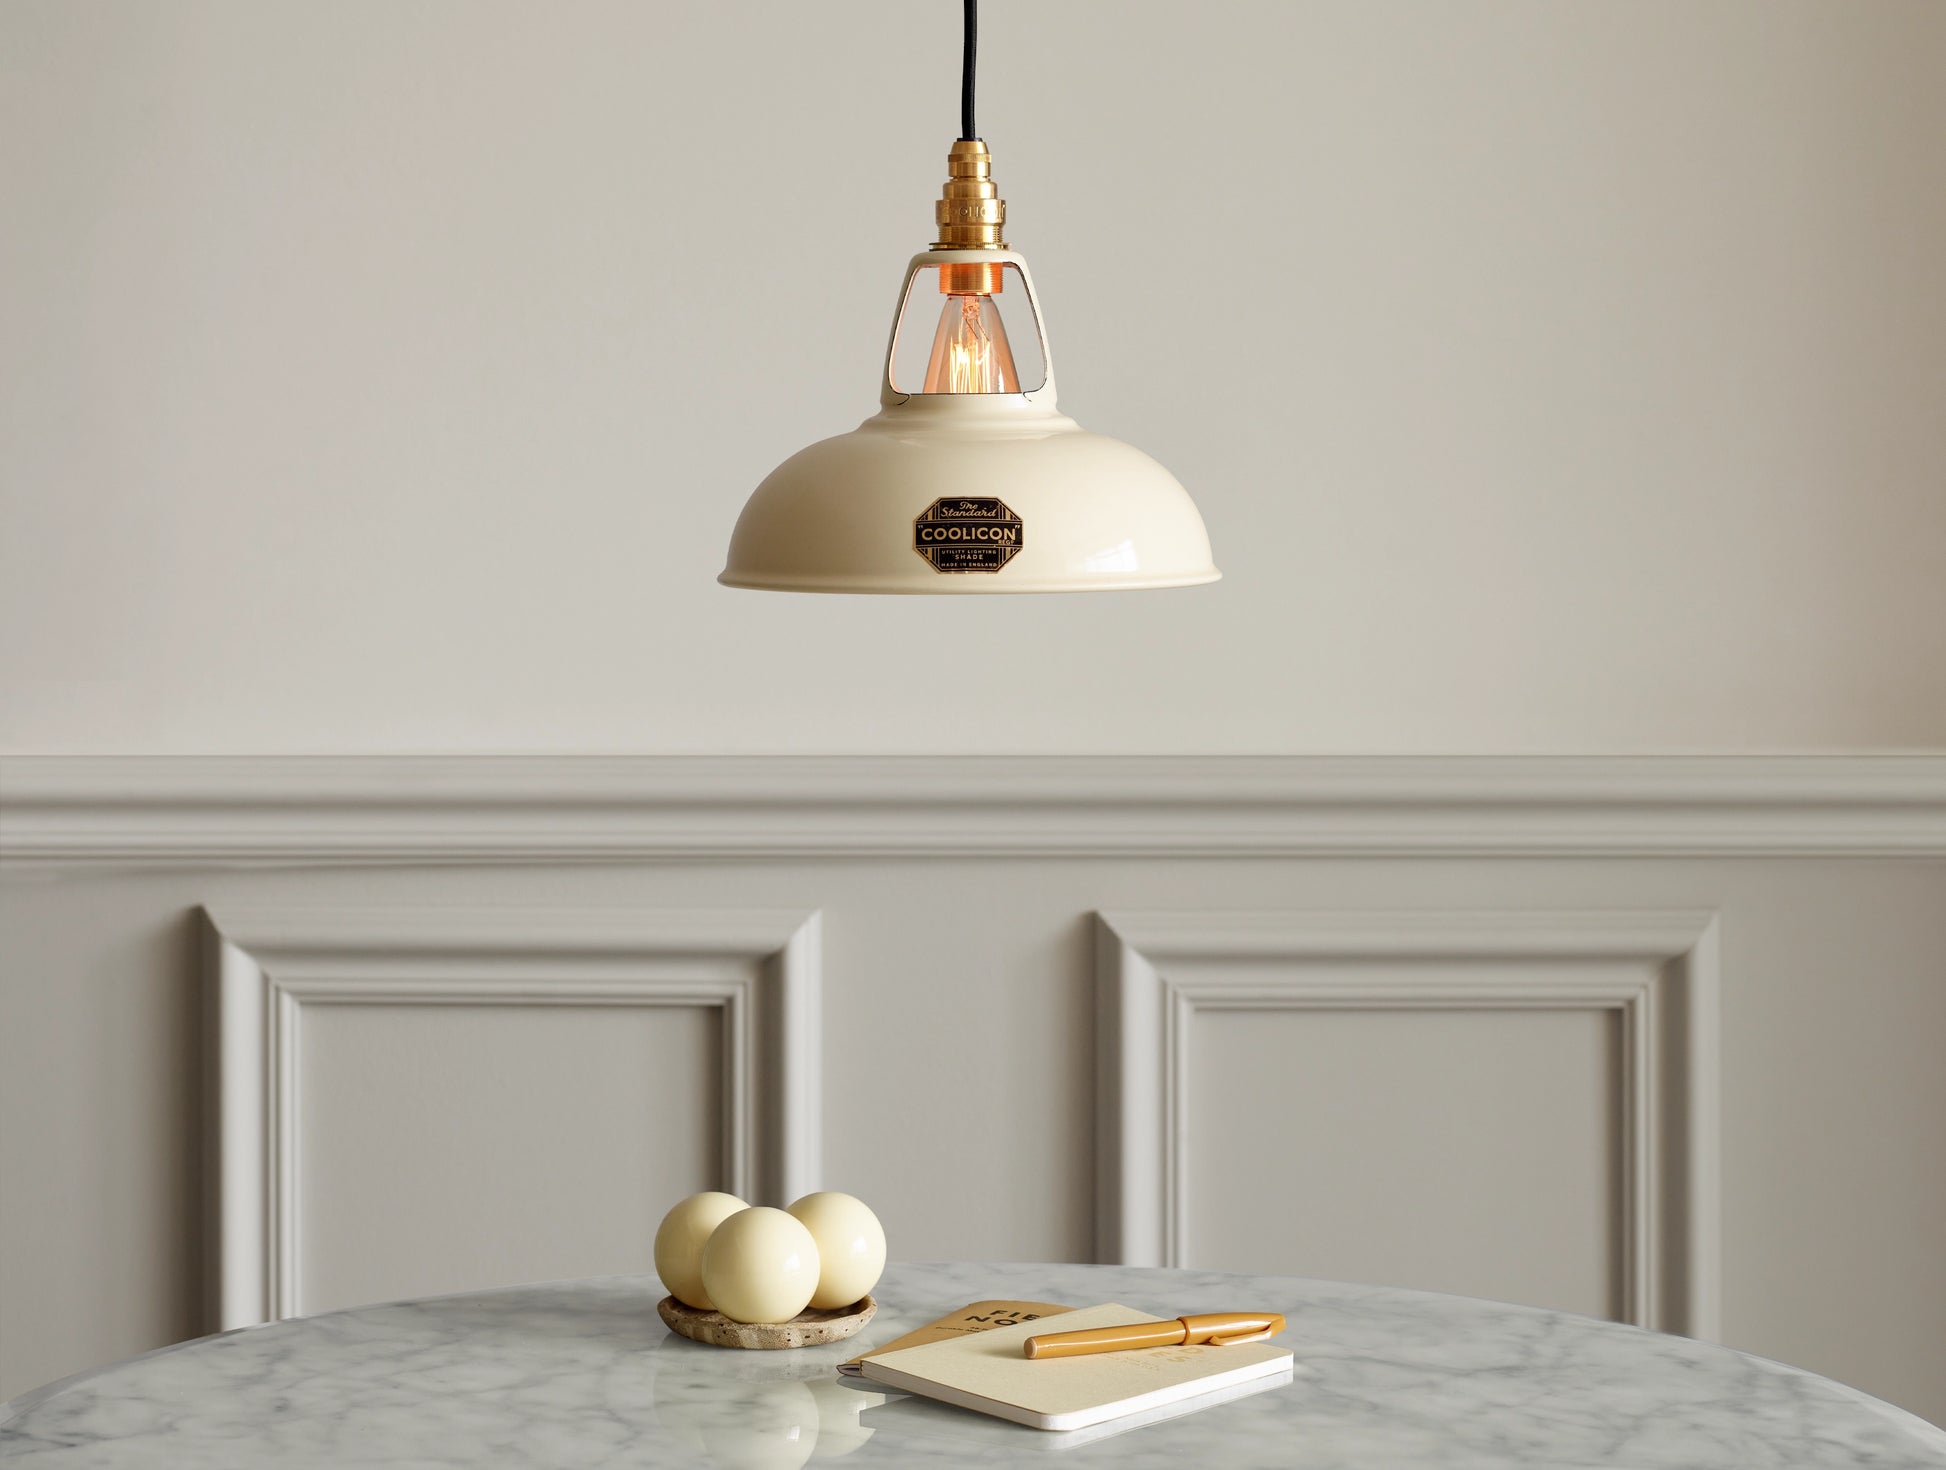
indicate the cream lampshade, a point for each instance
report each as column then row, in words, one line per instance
column 969, row 493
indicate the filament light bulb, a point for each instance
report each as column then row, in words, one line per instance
column 969, row 351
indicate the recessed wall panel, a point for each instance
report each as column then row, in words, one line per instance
column 1471, row 1151
column 455, row 1147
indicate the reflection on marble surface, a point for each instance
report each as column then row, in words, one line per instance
column 763, row 1411
column 585, row 1374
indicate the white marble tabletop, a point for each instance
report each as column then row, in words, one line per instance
column 584, row 1374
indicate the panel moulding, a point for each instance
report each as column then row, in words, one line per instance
column 269, row 966
column 1157, row 972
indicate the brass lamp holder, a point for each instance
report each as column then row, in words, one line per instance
column 970, row 215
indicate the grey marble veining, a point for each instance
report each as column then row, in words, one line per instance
column 584, row 1374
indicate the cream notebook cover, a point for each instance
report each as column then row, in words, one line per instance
column 986, row 1371
column 979, row 1317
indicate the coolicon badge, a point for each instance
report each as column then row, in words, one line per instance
column 967, row 533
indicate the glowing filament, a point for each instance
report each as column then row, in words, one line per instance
column 969, row 351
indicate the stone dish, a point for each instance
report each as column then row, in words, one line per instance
column 807, row 1329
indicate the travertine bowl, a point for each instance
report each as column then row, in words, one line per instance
column 807, row 1329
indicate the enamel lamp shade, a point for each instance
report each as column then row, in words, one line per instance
column 968, row 492
column 969, row 479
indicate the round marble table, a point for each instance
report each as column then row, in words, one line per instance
column 585, row 1374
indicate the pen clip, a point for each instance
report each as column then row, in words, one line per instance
column 1237, row 1339
column 1231, row 1329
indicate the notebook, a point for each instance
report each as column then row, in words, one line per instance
column 979, row 1317
column 922, row 1426
column 987, row 1371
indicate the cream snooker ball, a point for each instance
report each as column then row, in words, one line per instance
column 679, row 1244
column 760, row 1265
column 851, row 1244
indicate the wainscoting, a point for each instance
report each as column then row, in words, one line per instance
column 1651, row 1039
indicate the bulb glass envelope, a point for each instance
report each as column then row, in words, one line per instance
column 984, row 338
column 968, row 492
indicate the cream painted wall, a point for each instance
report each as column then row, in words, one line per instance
column 386, row 376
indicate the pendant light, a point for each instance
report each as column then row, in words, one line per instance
column 968, row 479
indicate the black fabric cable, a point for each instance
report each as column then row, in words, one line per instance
column 967, row 131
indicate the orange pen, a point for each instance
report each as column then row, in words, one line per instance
column 1217, row 1329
